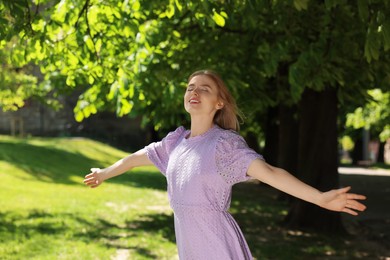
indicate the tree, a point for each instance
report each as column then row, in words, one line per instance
column 374, row 117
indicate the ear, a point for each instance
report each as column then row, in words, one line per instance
column 220, row 105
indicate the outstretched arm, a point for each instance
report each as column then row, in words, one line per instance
column 335, row 200
column 97, row 176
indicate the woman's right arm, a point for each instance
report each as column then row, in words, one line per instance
column 97, row 176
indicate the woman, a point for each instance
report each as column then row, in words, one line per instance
column 201, row 166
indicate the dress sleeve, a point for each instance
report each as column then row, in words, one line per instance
column 233, row 157
column 158, row 152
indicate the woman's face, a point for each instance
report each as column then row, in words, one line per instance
column 201, row 97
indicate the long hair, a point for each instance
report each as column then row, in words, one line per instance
column 228, row 116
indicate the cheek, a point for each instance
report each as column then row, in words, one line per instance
column 185, row 99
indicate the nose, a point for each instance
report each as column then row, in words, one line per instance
column 195, row 91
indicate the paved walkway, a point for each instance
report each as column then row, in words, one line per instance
column 374, row 223
column 364, row 171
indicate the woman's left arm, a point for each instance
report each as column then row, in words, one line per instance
column 335, row 200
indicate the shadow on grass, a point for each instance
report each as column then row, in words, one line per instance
column 49, row 164
column 374, row 223
column 254, row 207
column 46, row 164
column 20, row 228
column 260, row 215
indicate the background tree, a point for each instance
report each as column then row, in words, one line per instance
column 373, row 117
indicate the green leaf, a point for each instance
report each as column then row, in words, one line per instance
column 178, row 5
column 363, row 9
column 70, row 80
column 136, row 6
column 38, row 25
column 218, row 19
column 141, row 96
column 125, row 107
column 113, row 90
column 72, row 59
column 98, row 45
column 372, row 45
column 61, row 11
column 88, row 41
column 91, row 79
column 176, row 34
column 170, row 10
column 385, row 29
column 301, row 4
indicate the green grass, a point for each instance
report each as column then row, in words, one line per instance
column 47, row 213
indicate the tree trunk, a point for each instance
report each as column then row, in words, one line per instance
column 288, row 138
column 357, row 152
column 251, row 140
column 317, row 159
column 381, row 152
column 271, row 146
column 288, row 142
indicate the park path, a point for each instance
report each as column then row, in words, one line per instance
column 364, row 171
column 374, row 223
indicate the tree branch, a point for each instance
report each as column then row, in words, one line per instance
column 84, row 9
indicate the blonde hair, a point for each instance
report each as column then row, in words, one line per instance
column 228, row 116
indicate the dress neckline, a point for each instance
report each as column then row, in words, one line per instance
column 187, row 137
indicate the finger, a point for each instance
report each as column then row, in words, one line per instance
column 93, row 170
column 91, row 179
column 343, row 190
column 355, row 196
column 89, row 175
column 356, row 205
column 91, row 182
column 349, row 211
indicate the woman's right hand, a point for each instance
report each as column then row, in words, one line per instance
column 94, row 179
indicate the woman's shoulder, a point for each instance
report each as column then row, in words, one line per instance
column 179, row 131
column 228, row 138
column 228, row 133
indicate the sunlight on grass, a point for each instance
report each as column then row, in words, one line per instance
column 46, row 212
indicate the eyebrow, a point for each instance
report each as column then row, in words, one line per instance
column 203, row 85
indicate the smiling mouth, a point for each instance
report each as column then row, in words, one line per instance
column 194, row 101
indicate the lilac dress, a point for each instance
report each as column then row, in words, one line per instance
column 200, row 173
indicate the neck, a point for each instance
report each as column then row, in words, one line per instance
column 200, row 125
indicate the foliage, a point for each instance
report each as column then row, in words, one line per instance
column 374, row 115
column 15, row 85
column 133, row 57
column 346, row 143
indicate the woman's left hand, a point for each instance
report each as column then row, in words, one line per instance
column 94, row 179
column 342, row 201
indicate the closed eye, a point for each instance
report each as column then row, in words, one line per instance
column 204, row 88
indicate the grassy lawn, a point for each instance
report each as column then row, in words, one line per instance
column 47, row 213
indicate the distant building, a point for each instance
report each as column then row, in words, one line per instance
column 36, row 119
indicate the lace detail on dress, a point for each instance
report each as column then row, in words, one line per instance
column 233, row 157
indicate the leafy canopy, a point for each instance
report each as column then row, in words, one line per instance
column 133, row 56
